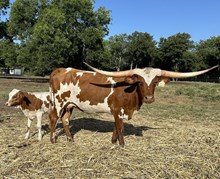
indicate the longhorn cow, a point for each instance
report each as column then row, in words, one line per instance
column 118, row 93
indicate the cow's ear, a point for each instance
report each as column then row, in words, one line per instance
column 131, row 79
column 163, row 81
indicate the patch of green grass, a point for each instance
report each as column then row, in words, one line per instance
column 208, row 92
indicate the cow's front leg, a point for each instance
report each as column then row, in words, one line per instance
column 53, row 122
column 27, row 135
column 114, row 135
column 118, row 132
column 65, row 121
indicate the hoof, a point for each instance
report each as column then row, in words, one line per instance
column 70, row 139
column 52, row 140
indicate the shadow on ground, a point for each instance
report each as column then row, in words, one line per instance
column 96, row 125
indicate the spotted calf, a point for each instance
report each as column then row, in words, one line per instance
column 32, row 104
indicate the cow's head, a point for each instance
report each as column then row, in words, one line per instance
column 148, row 78
column 16, row 97
column 146, row 85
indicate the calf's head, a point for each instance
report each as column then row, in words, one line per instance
column 148, row 78
column 16, row 97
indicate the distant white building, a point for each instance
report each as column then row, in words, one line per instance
column 15, row 71
column 11, row 71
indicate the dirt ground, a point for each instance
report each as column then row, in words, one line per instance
column 175, row 137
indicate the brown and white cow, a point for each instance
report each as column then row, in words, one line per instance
column 118, row 93
column 32, row 104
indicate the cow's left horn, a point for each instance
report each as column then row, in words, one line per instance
column 172, row 74
column 112, row 74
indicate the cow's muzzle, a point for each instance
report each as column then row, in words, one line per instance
column 148, row 99
column 7, row 104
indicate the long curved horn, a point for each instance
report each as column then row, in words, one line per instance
column 112, row 74
column 172, row 74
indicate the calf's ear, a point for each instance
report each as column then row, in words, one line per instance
column 131, row 79
column 21, row 94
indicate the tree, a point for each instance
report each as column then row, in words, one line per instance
column 118, row 48
column 8, row 50
column 23, row 16
column 56, row 33
column 209, row 51
column 8, row 54
column 4, row 5
column 173, row 49
column 141, row 49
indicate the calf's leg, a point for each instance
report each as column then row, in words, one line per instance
column 39, row 119
column 27, row 135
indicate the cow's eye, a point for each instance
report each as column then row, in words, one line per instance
column 141, row 84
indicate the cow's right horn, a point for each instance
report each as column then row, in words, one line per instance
column 112, row 74
column 172, row 74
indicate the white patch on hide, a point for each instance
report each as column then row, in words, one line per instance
column 32, row 114
column 122, row 115
column 67, row 121
column 148, row 74
column 68, row 69
column 79, row 73
column 83, row 105
column 12, row 93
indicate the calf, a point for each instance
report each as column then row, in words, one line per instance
column 32, row 104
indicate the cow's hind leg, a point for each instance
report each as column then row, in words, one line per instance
column 65, row 120
column 53, row 122
column 118, row 132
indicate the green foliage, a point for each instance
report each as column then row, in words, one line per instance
column 48, row 42
column 191, row 62
column 22, row 18
column 4, row 4
column 141, row 49
column 118, row 48
column 128, row 51
column 8, row 53
column 172, row 50
column 209, row 51
column 58, row 33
